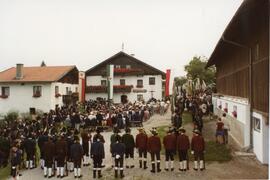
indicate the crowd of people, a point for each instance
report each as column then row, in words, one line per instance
column 69, row 137
column 58, row 136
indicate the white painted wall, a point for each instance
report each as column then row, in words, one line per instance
column 130, row 80
column 62, row 91
column 21, row 97
column 243, row 112
column 260, row 140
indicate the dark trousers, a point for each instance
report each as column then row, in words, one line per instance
column 142, row 153
column 77, row 163
column 129, row 152
column 119, row 163
column 97, row 161
column 182, row 155
column 155, row 155
column 198, row 155
column 60, row 162
column 169, row 155
column 29, row 156
column 48, row 163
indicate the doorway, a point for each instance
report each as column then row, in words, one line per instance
column 124, row 99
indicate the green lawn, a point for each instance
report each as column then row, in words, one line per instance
column 214, row 151
column 5, row 172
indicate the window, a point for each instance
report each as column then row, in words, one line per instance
column 37, row 91
column 139, row 97
column 128, row 66
column 117, row 66
column 5, row 92
column 122, row 82
column 152, row 81
column 76, row 89
column 103, row 82
column 257, row 124
column 56, row 90
column 139, row 83
column 68, row 91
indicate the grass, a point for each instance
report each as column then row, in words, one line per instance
column 5, row 172
column 214, row 151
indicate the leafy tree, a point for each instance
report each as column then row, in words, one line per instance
column 42, row 64
column 180, row 81
column 196, row 69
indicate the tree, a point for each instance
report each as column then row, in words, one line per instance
column 42, row 64
column 196, row 69
column 180, row 81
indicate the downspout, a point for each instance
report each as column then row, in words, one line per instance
column 250, row 84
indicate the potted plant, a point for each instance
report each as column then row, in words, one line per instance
column 37, row 94
column 226, row 110
column 4, row 96
column 57, row 95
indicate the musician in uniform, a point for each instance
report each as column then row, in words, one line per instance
column 154, row 147
column 76, row 152
column 118, row 151
column 197, row 148
column 61, row 155
column 141, row 145
column 86, row 140
column 30, row 149
column 49, row 154
column 129, row 142
column 169, row 142
column 97, row 154
column 182, row 146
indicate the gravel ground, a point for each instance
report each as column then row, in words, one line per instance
column 238, row 168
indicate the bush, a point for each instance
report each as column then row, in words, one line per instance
column 11, row 116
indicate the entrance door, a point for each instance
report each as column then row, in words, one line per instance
column 124, row 99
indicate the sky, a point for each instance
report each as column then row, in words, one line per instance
column 163, row 33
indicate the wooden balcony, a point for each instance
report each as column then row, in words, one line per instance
column 103, row 89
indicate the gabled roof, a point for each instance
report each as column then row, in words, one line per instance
column 121, row 53
column 36, row 74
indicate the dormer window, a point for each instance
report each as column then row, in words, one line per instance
column 128, row 66
column 117, row 66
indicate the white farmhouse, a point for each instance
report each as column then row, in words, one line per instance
column 133, row 80
column 27, row 89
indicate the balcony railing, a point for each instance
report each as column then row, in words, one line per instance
column 103, row 89
column 125, row 71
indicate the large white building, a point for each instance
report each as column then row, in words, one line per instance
column 133, row 80
column 27, row 89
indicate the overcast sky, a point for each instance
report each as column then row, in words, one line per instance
column 163, row 33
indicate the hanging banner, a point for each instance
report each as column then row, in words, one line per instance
column 110, row 81
column 167, row 84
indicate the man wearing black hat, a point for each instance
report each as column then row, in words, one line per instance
column 41, row 140
column 169, row 142
column 49, row 154
column 118, row 151
column 197, row 148
column 113, row 140
column 60, row 155
column 129, row 142
column 30, row 149
column 86, row 140
column 182, row 146
column 97, row 154
column 141, row 145
column 77, row 155
column 154, row 147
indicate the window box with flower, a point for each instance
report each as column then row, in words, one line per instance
column 4, row 96
column 234, row 113
column 37, row 94
column 58, row 95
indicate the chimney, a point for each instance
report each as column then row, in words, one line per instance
column 19, row 71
